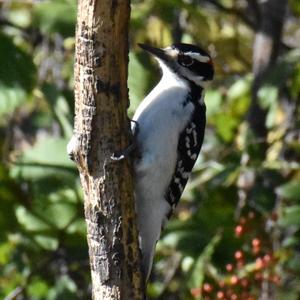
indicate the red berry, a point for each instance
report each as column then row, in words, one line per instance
column 229, row 267
column 238, row 255
column 207, row 288
column 259, row 263
column 239, row 230
column 255, row 250
column 220, row 295
column 221, row 283
column 244, row 282
column 196, row 292
column 240, row 264
column 256, row 242
column 234, row 280
column 276, row 279
column 267, row 259
column 229, row 292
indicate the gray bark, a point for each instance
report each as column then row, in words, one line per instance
column 102, row 128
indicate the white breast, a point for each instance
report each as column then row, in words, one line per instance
column 161, row 117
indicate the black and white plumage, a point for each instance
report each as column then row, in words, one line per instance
column 171, row 122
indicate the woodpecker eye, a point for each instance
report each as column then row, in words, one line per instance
column 185, row 60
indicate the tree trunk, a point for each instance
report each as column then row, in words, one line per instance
column 102, row 128
column 270, row 15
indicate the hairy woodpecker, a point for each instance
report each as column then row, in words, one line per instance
column 171, row 123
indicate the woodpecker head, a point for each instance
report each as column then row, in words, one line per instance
column 186, row 61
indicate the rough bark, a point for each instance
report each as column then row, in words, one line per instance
column 102, row 128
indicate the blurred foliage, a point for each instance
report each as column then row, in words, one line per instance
column 236, row 233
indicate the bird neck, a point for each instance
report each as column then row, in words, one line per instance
column 196, row 93
column 171, row 79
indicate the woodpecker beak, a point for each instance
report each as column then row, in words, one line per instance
column 162, row 54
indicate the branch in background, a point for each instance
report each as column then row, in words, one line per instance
column 229, row 10
column 15, row 293
column 265, row 52
column 254, row 7
column 178, row 27
column 252, row 23
column 5, row 22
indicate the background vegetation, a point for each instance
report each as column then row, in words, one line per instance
column 236, row 233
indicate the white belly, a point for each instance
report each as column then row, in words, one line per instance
column 161, row 118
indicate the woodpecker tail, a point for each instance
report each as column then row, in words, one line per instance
column 150, row 223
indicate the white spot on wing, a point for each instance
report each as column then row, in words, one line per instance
column 195, row 137
column 187, row 142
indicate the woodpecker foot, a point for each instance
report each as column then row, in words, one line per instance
column 72, row 147
column 120, row 155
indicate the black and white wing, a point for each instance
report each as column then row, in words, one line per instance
column 189, row 146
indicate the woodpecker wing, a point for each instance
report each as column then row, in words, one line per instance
column 189, row 146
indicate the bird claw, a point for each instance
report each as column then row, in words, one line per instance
column 72, row 147
column 122, row 154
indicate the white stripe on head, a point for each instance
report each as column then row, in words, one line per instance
column 172, row 52
column 198, row 56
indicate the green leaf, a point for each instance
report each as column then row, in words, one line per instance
column 239, row 89
column 291, row 216
column 47, row 157
column 267, row 96
column 38, row 288
column 78, row 226
column 65, row 288
column 5, row 252
column 55, row 16
column 60, row 214
column 213, row 100
column 198, row 272
column 60, row 108
column 17, row 75
column 46, row 242
column 290, row 190
column 29, row 221
column 137, row 88
column 226, row 126
column 16, row 66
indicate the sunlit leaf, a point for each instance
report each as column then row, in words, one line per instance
column 29, row 221
column 60, row 108
column 239, row 89
column 197, row 275
column 290, row 190
column 291, row 216
column 46, row 242
column 55, row 16
column 47, row 157
column 17, row 75
column 38, row 288
column 213, row 100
